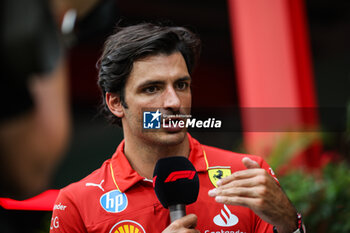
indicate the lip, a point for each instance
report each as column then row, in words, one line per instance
column 174, row 119
column 174, row 127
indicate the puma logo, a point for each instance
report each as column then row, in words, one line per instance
column 96, row 185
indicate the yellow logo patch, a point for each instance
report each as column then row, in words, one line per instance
column 217, row 173
column 127, row 226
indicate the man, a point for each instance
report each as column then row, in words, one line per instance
column 148, row 67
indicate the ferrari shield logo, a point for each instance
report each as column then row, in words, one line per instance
column 217, row 173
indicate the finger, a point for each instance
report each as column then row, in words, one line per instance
column 249, row 163
column 232, row 192
column 243, row 174
column 243, row 183
column 188, row 221
column 241, row 201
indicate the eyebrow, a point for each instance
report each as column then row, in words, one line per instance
column 157, row 82
column 186, row 78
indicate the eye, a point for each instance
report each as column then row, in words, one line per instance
column 182, row 85
column 150, row 89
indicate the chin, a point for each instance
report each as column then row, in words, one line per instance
column 169, row 138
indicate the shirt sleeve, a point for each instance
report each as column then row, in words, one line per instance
column 269, row 170
column 66, row 217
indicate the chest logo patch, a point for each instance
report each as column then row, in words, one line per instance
column 217, row 173
column 127, row 226
column 114, row 201
column 225, row 218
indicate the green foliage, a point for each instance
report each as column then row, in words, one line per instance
column 288, row 145
column 323, row 198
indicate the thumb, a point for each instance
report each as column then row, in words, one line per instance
column 249, row 163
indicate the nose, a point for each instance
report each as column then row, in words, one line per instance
column 171, row 99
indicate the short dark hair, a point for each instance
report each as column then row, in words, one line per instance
column 133, row 43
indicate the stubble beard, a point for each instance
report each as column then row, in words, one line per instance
column 163, row 138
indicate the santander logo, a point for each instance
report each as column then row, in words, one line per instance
column 225, row 218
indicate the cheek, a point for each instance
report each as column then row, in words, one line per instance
column 133, row 114
column 186, row 100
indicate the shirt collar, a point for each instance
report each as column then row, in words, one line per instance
column 125, row 177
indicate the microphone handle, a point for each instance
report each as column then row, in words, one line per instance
column 177, row 211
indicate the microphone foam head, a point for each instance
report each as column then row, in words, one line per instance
column 175, row 181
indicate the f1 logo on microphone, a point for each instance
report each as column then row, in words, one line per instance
column 174, row 176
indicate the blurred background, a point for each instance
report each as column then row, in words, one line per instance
column 276, row 57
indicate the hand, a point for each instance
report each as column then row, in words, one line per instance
column 183, row 225
column 256, row 189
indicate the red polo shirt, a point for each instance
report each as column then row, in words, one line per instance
column 116, row 199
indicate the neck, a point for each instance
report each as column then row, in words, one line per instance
column 143, row 156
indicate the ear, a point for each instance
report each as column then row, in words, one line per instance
column 114, row 104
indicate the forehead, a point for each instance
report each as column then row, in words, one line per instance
column 161, row 66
